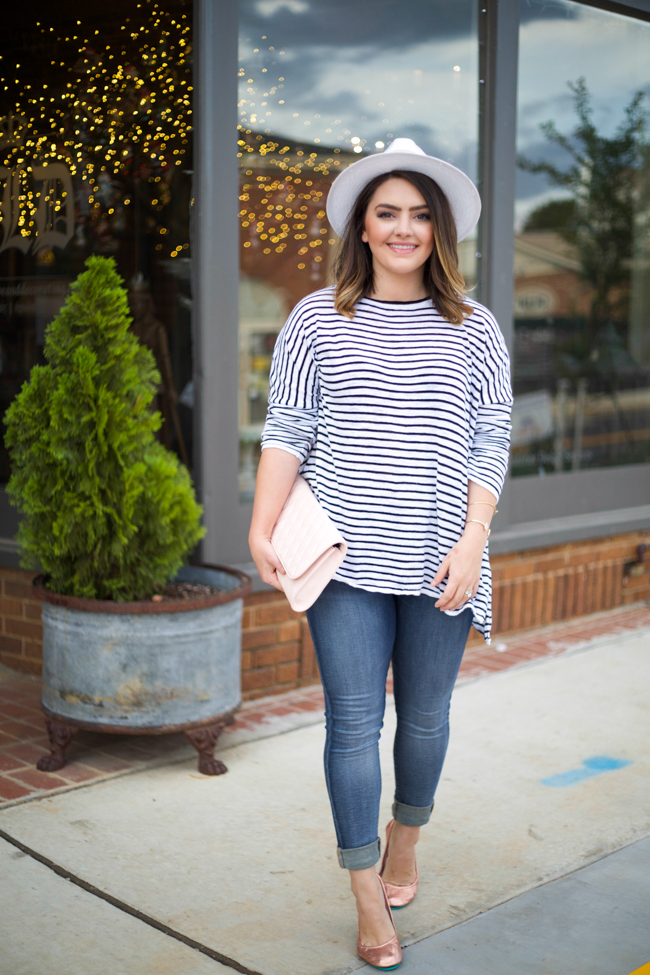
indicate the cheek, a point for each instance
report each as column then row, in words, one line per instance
column 375, row 232
column 426, row 235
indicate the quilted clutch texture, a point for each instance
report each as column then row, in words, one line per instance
column 309, row 546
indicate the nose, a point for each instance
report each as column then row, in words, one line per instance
column 403, row 228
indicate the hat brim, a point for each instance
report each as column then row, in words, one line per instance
column 463, row 196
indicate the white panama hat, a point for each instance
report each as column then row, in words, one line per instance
column 404, row 154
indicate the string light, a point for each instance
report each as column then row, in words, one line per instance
column 283, row 183
column 280, row 205
column 127, row 116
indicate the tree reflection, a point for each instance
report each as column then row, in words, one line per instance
column 598, row 220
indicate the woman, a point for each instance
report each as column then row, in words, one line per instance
column 390, row 393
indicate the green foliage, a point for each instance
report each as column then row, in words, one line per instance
column 603, row 180
column 555, row 215
column 109, row 513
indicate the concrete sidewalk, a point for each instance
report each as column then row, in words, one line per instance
column 592, row 922
column 547, row 773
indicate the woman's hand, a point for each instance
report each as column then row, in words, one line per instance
column 267, row 562
column 462, row 568
column 275, row 476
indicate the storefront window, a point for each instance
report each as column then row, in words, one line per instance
column 320, row 85
column 582, row 241
column 96, row 158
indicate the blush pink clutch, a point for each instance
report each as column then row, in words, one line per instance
column 308, row 544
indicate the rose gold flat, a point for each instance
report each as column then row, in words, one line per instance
column 387, row 956
column 399, row 895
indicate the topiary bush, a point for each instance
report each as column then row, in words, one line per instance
column 109, row 513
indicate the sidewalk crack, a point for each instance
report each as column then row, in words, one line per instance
column 127, row 909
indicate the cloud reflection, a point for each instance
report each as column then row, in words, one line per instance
column 326, row 85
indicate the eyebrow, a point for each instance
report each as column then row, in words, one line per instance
column 389, row 206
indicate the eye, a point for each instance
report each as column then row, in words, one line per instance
column 423, row 216
column 385, row 213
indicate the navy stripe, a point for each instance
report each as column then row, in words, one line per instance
column 390, row 414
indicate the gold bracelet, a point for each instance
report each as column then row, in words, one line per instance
column 484, row 502
column 484, row 525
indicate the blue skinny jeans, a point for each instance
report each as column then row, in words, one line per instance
column 356, row 634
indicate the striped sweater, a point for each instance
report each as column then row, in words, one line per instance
column 390, row 414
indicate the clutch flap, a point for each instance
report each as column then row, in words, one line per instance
column 303, row 531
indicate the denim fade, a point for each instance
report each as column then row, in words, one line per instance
column 356, row 634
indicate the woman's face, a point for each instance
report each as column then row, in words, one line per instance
column 398, row 228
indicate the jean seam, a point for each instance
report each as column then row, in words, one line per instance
column 326, row 751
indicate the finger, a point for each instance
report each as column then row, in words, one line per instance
column 269, row 575
column 474, row 586
column 447, row 599
column 272, row 579
column 442, row 572
column 274, row 562
column 455, row 596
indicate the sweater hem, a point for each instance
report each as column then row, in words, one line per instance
column 480, row 625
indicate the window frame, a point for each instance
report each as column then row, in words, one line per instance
column 533, row 511
column 536, row 511
column 574, row 505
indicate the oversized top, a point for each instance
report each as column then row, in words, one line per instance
column 390, row 414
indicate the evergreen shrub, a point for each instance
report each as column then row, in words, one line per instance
column 109, row 513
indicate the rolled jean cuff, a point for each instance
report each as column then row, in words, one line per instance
column 359, row 858
column 411, row 815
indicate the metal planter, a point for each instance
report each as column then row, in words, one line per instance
column 144, row 667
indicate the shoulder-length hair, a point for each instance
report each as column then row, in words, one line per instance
column 441, row 277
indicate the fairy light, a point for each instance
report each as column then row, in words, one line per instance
column 126, row 114
column 284, row 183
column 282, row 195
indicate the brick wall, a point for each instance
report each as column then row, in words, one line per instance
column 542, row 586
column 21, row 638
column 531, row 589
column 546, row 585
column 277, row 650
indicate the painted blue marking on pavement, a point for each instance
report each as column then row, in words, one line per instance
column 590, row 766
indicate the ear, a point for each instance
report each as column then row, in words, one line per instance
column 364, row 237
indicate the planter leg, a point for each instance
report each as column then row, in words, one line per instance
column 204, row 740
column 60, row 736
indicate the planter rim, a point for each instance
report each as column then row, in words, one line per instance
column 140, row 607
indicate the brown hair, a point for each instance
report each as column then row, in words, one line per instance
column 441, row 277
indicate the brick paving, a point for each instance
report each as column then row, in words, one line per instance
column 92, row 756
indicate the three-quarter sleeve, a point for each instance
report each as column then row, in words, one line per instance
column 292, row 417
column 489, row 452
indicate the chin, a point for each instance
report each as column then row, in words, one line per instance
column 403, row 267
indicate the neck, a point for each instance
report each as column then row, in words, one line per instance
column 398, row 287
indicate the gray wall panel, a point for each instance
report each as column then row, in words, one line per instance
column 578, row 493
column 216, row 281
column 499, row 43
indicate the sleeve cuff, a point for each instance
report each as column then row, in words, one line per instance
column 492, row 487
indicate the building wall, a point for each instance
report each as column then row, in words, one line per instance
column 531, row 589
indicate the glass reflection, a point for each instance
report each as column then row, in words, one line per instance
column 321, row 84
column 582, row 241
column 95, row 157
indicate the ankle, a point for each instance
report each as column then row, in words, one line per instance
column 404, row 837
column 365, row 884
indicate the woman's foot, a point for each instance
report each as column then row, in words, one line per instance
column 399, row 867
column 375, row 924
column 377, row 943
